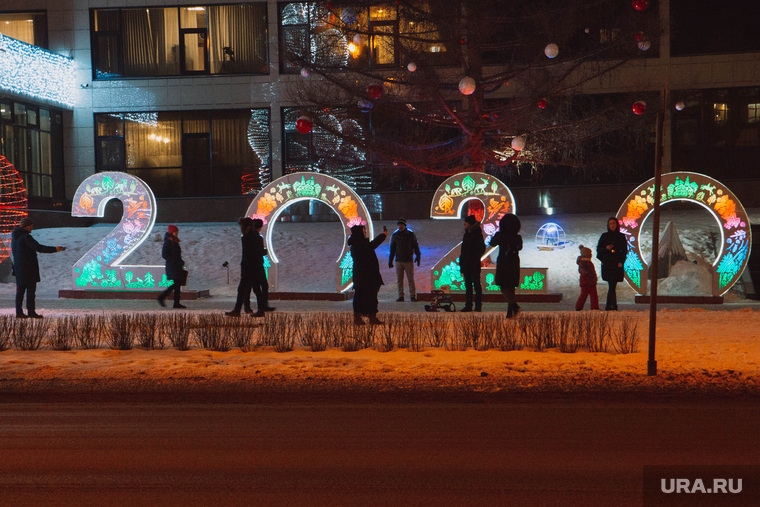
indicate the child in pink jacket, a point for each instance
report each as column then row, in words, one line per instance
column 588, row 280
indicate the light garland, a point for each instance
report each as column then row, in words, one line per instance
column 13, row 204
column 259, row 141
column 35, row 72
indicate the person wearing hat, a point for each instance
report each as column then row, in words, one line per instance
column 473, row 248
column 509, row 241
column 26, row 267
column 175, row 266
column 253, row 275
column 403, row 246
column 367, row 278
column 587, row 281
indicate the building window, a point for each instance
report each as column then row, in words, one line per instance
column 720, row 113
column 753, row 113
column 170, row 41
column 29, row 27
column 28, row 139
column 188, row 153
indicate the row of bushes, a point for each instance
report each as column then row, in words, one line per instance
column 568, row 332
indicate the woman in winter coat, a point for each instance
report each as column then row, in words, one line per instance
column 367, row 279
column 473, row 248
column 611, row 251
column 509, row 241
column 175, row 266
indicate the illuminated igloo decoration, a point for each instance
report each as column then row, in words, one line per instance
column 551, row 237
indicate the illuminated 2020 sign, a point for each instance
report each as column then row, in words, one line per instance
column 281, row 193
column 736, row 236
column 101, row 267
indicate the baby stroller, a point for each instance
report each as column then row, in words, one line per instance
column 440, row 300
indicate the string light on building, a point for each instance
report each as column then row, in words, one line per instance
column 258, row 140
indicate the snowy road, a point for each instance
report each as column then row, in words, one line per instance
column 536, row 452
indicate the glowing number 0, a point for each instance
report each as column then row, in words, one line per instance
column 447, row 204
column 100, row 267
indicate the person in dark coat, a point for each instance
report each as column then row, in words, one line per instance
column 26, row 267
column 611, row 251
column 587, row 280
column 403, row 247
column 367, row 278
column 253, row 275
column 473, row 248
column 175, row 266
column 509, row 241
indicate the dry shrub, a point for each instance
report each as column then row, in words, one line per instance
column 277, row 332
column 118, row 331
column 599, row 337
column 6, row 331
column 625, row 337
column 466, row 333
column 62, row 337
column 405, row 331
column 210, row 332
column 387, row 333
column 309, row 334
column 244, row 333
column 566, row 341
column 416, row 340
column 87, row 331
column 177, row 327
column 507, row 334
column 436, row 329
column 28, row 334
column 147, row 331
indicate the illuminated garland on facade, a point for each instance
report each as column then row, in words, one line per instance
column 296, row 187
column 259, row 141
column 36, row 73
column 13, row 204
column 735, row 232
column 101, row 267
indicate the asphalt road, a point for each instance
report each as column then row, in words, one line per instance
column 529, row 452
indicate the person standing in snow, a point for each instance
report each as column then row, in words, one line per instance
column 473, row 248
column 367, row 278
column 26, row 267
column 253, row 275
column 403, row 246
column 611, row 251
column 509, row 241
column 175, row 266
column 587, row 280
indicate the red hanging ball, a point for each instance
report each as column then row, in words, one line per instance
column 542, row 104
column 304, row 124
column 374, row 91
column 640, row 36
column 639, row 107
column 329, row 6
column 640, row 5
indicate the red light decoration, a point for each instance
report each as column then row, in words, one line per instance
column 13, row 204
column 640, row 5
column 304, row 124
column 329, row 6
column 542, row 104
column 640, row 37
column 374, row 91
column 639, row 107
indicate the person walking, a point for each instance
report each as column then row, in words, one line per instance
column 403, row 246
column 26, row 267
column 611, row 251
column 588, row 280
column 175, row 266
column 473, row 248
column 509, row 241
column 253, row 275
column 367, row 278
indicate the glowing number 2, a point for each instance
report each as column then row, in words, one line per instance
column 101, row 267
column 447, row 204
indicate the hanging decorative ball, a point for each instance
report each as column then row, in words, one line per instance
column 411, row 66
column 645, row 45
column 640, row 5
column 304, row 124
column 357, row 39
column 13, row 204
column 639, row 107
column 551, row 50
column 374, row 91
column 587, row 30
column 467, row 85
column 518, row 143
column 640, row 36
column 329, row 6
column 348, row 16
column 542, row 103
column 364, row 104
column 680, row 105
column 304, row 72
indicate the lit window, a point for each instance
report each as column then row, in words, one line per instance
column 753, row 113
column 29, row 27
column 720, row 112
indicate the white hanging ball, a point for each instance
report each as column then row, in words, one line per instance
column 680, row 105
column 551, row 50
column 467, row 85
column 411, row 66
column 644, row 45
column 518, row 143
column 358, row 39
column 304, row 72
